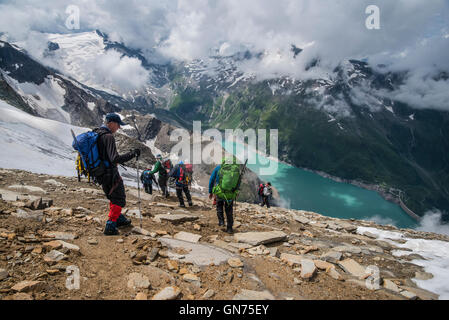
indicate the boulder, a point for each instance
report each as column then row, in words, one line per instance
column 36, row 215
column 54, row 256
column 245, row 294
column 291, row 259
column 3, row 274
column 331, row 256
column 186, row 236
column 138, row 281
column 141, row 231
column 168, row 293
column 352, row 267
column 27, row 286
column 258, row 238
column 323, row 265
column 57, row 235
column 198, row 254
column 175, row 218
column 308, row 268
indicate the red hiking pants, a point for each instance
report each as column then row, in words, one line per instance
column 114, row 211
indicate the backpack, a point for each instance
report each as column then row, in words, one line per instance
column 86, row 145
column 189, row 173
column 261, row 189
column 147, row 177
column 167, row 165
column 229, row 178
column 267, row 191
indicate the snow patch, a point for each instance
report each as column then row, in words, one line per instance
column 91, row 106
column 435, row 252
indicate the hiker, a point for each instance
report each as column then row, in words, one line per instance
column 111, row 181
column 260, row 193
column 224, row 183
column 266, row 195
column 163, row 170
column 179, row 172
column 147, row 180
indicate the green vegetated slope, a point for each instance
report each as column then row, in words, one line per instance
column 407, row 149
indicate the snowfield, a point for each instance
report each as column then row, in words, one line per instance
column 41, row 145
column 435, row 252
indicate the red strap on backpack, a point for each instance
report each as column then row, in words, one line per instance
column 181, row 174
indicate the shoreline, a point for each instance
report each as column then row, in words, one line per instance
column 372, row 187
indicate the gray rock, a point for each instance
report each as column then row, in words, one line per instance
column 209, row 294
column 153, row 254
column 245, row 294
column 54, row 256
column 421, row 293
column 198, row 254
column 69, row 246
column 36, row 215
column 352, row 267
column 423, row 275
column 57, row 235
column 409, row 295
column 175, row 218
column 186, row 236
column 257, row 238
column 331, row 256
column 141, row 231
column 169, row 293
column 302, row 219
column 54, row 183
column 390, row 285
column 3, row 274
column 347, row 248
column 26, row 189
column 274, row 252
column 138, row 281
column 308, row 268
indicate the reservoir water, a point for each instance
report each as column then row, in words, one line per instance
column 303, row 190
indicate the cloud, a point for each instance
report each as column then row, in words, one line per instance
column 413, row 33
column 121, row 73
column 432, row 222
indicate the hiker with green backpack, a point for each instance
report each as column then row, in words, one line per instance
column 225, row 182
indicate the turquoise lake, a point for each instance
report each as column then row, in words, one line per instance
column 304, row 190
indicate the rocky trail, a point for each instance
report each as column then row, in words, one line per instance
column 52, row 226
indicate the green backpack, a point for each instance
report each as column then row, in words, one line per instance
column 229, row 180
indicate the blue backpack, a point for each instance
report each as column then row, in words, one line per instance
column 86, row 145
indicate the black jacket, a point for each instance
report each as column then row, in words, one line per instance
column 107, row 150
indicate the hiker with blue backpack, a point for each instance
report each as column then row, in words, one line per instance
column 147, row 180
column 225, row 182
column 100, row 157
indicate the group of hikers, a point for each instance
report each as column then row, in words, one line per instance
column 98, row 152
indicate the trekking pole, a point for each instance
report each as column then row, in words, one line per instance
column 138, row 191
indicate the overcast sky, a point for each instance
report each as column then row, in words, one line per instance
column 414, row 34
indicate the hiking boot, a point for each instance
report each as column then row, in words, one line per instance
column 122, row 221
column 190, row 204
column 182, row 205
column 229, row 230
column 111, row 228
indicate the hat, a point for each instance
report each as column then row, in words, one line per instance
column 158, row 156
column 113, row 117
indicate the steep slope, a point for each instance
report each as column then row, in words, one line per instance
column 344, row 125
column 276, row 254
